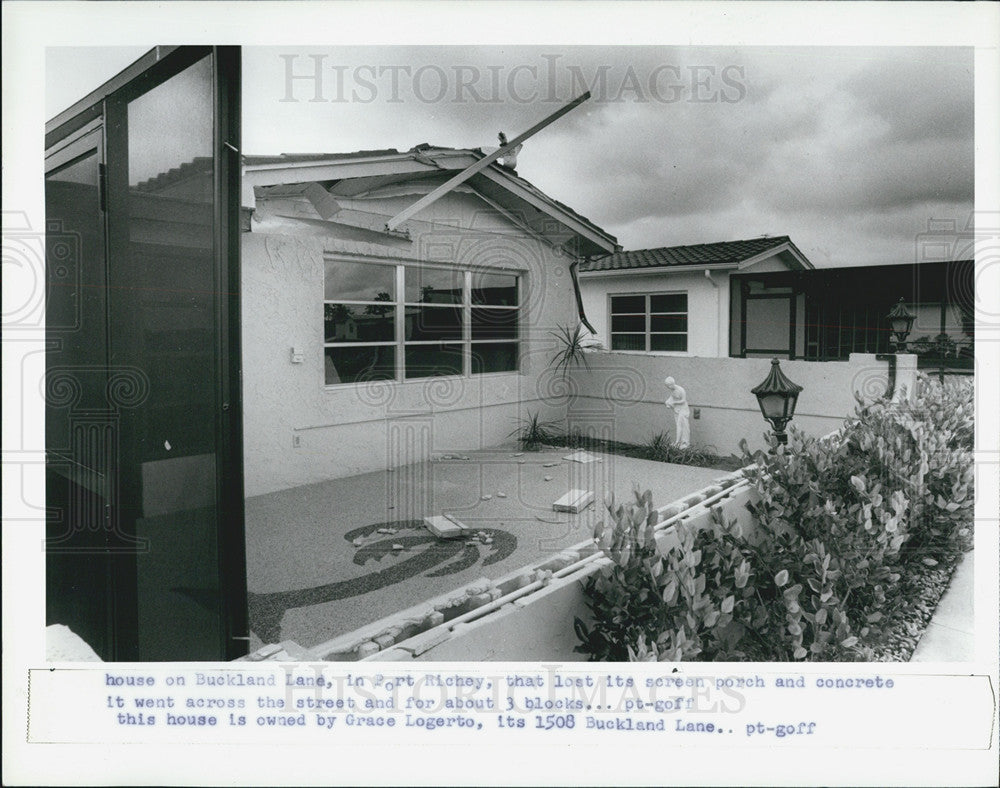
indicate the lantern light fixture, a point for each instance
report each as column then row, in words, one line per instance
column 900, row 323
column 777, row 397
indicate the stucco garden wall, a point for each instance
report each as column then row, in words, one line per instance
column 621, row 396
column 299, row 431
column 539, row 625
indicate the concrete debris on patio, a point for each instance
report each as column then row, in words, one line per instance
column 327, row 558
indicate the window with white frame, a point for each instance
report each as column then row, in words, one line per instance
column 649, row 322
column 386, row 321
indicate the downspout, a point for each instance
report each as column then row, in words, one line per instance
column 718, row 311
column 579, row 296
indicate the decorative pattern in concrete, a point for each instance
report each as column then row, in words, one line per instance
column 318, row 565
column 422, row 553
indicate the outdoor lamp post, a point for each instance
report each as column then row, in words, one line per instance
column 777, row 396
column 900, row 322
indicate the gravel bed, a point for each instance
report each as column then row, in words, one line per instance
column 922, row 589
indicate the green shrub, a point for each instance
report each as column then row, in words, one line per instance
column 943, row 479
column 730, row 600
column 624, row 595
column 840, row 495
column 840, row 521
column 713, row 596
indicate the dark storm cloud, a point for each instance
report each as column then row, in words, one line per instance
column 924, row 94
column 677, row 145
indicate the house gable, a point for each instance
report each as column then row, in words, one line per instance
column 362, row 175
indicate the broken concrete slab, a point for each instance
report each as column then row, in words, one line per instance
column 574, row 501
column 445, row 527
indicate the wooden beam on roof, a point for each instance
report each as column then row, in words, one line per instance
column 480, row 165
column 351, row 187
column 357, row 220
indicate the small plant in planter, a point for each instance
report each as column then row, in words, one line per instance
column 532, row 433
column 660, row 448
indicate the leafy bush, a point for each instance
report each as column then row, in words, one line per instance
column 839, row 498
column 711, row 596
column 624, row 595
column 840, row 522
column 943, row 478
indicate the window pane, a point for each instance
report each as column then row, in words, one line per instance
column 424, row 361
column 434, row 286
column 78, row 579
column 494, row 357
column 628, row 342
column 494, row 289
column 356, row 323
column 677, row 302
column 668, row 342
column 349, row 364
column 767, row 322
column 359, row 281
column 628, row 322
column 494, row 323
column 668, row 323
column 433, row 322
column 620, row 304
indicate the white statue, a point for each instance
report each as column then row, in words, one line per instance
column 677, row 402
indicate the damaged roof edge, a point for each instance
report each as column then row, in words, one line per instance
column 301, row 168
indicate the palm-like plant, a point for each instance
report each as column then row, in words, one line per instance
column 571, row 348
column 532, row 433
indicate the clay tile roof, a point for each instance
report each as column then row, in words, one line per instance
column 726, row 252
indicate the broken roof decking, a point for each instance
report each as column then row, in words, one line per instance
column 353, row 174
column 734, row 254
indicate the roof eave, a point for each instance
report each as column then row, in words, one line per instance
column 659, row 269
column 600, row 239
column 281, row 173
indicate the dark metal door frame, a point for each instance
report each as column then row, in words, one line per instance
column 106, row 109
column 745, row 296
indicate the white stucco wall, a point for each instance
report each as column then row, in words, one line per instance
column 622, row 395
column 708, row 305
column 356, row 428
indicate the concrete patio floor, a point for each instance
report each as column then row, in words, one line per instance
column 326, row 558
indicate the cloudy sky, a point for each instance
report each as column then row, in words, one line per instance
column 850, row 151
